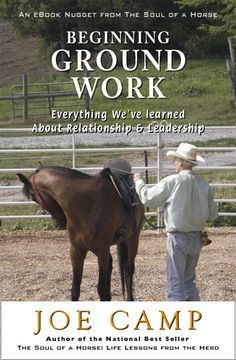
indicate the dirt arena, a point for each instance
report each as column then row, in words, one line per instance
column 36, row 266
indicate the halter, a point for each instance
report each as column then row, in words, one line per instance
column 37, row 196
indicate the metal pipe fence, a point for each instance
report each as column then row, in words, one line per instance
column 158, row 168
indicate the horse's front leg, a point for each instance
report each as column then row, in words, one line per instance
column 105, row 270
column 77, row 259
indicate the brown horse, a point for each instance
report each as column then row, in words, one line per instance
column 95, row 217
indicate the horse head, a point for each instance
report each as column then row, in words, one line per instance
column 31, row 191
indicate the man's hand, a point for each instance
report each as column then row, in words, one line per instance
column 136, row 177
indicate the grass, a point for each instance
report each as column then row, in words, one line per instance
column 202, row 88
column 224, row 142
column 27, row 224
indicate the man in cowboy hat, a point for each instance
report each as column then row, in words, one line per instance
column 188, row 204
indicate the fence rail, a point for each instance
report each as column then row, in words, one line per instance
column 158, row 168
column 26, row 102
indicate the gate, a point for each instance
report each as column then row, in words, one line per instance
column 38, row 99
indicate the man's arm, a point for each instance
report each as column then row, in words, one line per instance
column 152, row 196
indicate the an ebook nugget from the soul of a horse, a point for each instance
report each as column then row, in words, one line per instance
column 106, row 90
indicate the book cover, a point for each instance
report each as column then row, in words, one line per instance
column 104, row 86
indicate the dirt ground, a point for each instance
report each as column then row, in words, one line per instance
column 36, row 266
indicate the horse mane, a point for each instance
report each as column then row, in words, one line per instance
column 27, row 190
column 69, row 171
column 59, row 169
column 27, row 185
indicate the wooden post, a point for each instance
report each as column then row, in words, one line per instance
column 231, row 65
column 25, row 96
column 49, row 101
column 231, row 77
column 232, row 42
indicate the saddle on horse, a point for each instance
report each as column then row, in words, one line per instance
column 119, row 172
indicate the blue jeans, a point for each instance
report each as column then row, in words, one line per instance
column 183, row 250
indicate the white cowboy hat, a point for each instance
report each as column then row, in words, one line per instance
column 186, row 152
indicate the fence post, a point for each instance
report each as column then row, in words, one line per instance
column 146, row 165
column 146, row 171
column 231, row 48
column 25, row 96
column 231, row 65
column 73, row 148
column 159, row 176
column 49, row 100
column 86, row 97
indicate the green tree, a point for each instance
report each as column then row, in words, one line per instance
column 198, row 37
column 45, row 28
column 211, row 34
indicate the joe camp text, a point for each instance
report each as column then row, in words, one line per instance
column 119, row 320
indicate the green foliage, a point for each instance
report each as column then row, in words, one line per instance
column 225, row 220
column 210, row 35
column 202, row 88
column 225, row 9
column 198, row 37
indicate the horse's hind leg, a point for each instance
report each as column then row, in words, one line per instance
column 130, row 267
column 104, row 281
column 77, row 259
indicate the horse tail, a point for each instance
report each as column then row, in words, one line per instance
column 122, row 252
column 27, row 185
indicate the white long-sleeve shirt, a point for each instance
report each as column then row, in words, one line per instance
column 186, row 199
